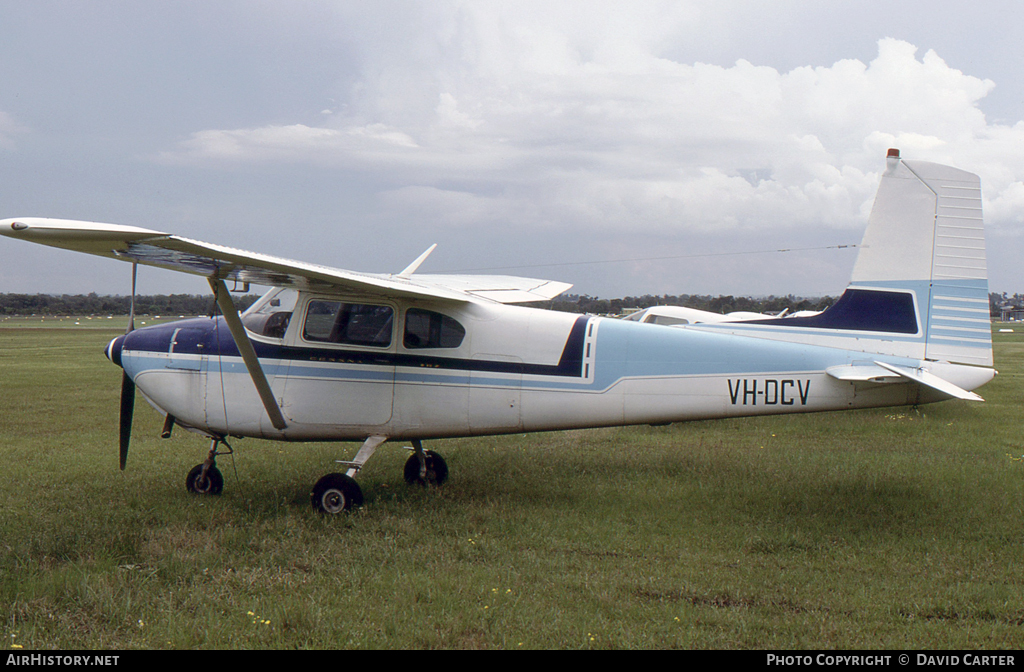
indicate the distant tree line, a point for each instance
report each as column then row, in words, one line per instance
column 93, row 304
column 199, row 304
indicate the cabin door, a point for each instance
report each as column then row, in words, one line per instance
column 343, row 373
column 494, row 394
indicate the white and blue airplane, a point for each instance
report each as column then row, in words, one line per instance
column 335, row 355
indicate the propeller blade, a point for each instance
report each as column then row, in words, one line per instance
column 128, row 386
column 127, row 412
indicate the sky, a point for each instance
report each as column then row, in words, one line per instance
column 687, row 147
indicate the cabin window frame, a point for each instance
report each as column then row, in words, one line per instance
column 439, row 332
column 303, row 335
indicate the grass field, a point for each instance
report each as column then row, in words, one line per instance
column 892, row 528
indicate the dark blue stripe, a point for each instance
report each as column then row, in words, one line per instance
column 860, row 310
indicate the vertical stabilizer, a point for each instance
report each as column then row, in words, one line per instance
column 925, row 235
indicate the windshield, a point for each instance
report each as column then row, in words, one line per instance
column 271, row 315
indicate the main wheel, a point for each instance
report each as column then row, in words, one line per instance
column 211, row 484
column 437, row 469
column 336, row 493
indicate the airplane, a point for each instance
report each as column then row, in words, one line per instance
column 336, row 355
column 679, row 315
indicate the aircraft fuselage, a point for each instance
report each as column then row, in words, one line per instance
column 497, row 369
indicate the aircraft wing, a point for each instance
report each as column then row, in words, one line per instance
column 156, row 248
column 500, row 288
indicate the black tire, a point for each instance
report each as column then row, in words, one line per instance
column 336, row 493
column 437, row 469
column 212, row 484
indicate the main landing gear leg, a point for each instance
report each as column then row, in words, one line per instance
column 336, row 493
column 205, row 478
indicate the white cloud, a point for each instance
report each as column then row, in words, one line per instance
column 529, row 116
column 296, row 142
column 519, row 132
column 1007, row 206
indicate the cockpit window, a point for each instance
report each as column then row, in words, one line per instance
column 427, row 329
column 348, row 323
column 271, row 314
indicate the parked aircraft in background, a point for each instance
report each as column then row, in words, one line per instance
column 671, row 316
column 333, row 355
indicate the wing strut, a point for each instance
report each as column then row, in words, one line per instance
column 252, row 363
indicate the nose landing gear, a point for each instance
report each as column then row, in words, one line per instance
column 205, row 478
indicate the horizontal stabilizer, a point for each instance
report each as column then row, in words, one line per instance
column 880, row 372
column 930, row 380
column 864, row 373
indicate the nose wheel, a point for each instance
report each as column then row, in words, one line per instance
column 205, row 478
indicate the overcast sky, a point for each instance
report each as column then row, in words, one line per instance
column 531, row 138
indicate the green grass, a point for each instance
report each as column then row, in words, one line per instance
column 891, row 528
